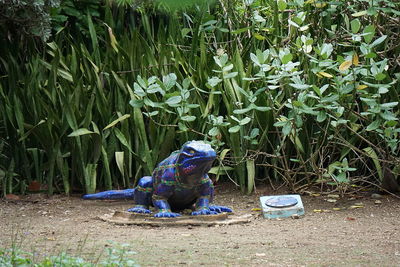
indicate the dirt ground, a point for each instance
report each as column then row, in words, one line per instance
column 353, row 231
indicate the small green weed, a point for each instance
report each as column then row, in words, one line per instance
column 115, row 255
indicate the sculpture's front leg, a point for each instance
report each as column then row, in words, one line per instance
column 203, row 202
column 164, row 209
column 202, row 207
column 160, row 201
column 220, row 209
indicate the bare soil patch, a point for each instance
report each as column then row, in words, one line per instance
column 330, row 234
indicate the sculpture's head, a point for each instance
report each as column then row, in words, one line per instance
column 195, row 159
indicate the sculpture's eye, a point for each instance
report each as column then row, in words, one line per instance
column 191, row 151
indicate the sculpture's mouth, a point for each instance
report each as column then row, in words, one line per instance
column 199, row 166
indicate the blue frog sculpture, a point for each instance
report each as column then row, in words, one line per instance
column 178, row 182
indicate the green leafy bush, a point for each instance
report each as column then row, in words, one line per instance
column 282, row 95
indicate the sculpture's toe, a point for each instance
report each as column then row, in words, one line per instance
column 220, row 209
column 204, row 212
column 139, row 210
column 167, row 215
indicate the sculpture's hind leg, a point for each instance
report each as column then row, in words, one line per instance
column 143, row 193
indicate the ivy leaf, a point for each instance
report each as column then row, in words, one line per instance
column 355, row 25
column 169, row 81
column 173, row 100
column 321, row 116
column 136, row 103
column 287, row 128
column 188, row 118
column 245, row 121
column 374, row 125
column 388, row 116
column 379, row 40
column 234, row 129
column 369, row 33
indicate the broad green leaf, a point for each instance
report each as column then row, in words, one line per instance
column 245, row 121
column 389, row 105
column 234, row 129
column 287, row 128
column 286, row 58
column 139, row 90
column 136, row 103
column 230, row 75
column 321, row 116
column 258, row 36
column 355, row 25
column 241, row 30
column 360, row 13
column 380, row 76
column 214, row 131
column 242, row 111
column 188, row 118
column 227, row 68
column 379, row 40
column 300, row 86
column 169, row 81
column 369, row 33
column 220, row 170
column 173, row 100
column 374, row 125
column 388, row 116
column 262, row 108
column 214, row 81
column 282, row 5
column 382, row 90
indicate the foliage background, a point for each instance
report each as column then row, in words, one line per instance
column 302, row 93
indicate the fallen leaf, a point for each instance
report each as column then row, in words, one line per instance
column 337, row 209
column 260, row 254
column 12, row 197
column 350, row 219
column 361, row 87
column 315, row 195
column 325, row 74
column 333, row 196
column 255, row 209
column 345, row 65
column 331, row 200
column 355, row 60
column 356, row 207
column 34, row 186
column 378, row 202
column 317, row 211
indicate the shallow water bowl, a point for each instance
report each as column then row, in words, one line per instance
column 281, row 206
